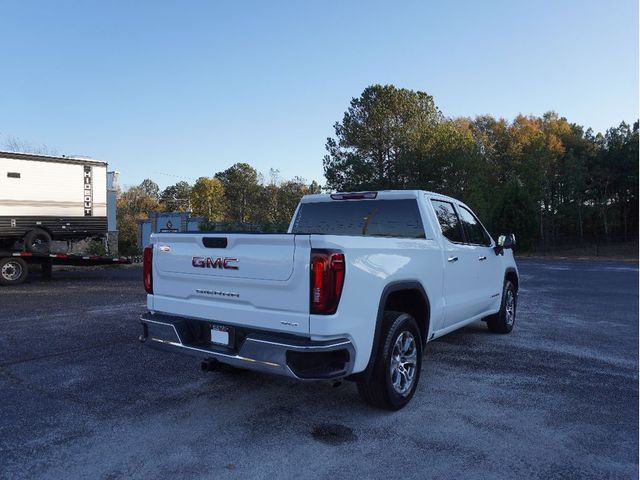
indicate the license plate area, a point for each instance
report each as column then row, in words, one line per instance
column 222, row 335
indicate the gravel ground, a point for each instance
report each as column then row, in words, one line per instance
column 558, row 398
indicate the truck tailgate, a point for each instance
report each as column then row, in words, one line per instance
column 252, row 280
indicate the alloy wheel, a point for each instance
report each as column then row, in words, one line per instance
column 510, row 307
column 403, row 363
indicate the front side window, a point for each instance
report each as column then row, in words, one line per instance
column 449, row 222
column 476, row 234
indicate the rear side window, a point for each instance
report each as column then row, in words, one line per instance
column 369, row 218
column 448, row 220
column 476, row 233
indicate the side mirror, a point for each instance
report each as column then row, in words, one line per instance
column 505, row 241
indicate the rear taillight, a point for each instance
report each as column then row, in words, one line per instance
column 147, row 261
column 327, row 278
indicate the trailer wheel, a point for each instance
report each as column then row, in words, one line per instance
column 37, row 241
column 13, row 271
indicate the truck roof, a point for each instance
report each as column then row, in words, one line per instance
column 373, row 194
column 53, row 159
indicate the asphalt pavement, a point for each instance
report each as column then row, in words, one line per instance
column 80, row 397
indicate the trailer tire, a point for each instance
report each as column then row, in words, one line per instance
column 37, row 241
column 13, row 271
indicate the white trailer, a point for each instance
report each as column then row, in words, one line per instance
column 45, row 198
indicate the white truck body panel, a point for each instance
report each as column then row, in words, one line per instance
column 372, row 264
column 269, row 290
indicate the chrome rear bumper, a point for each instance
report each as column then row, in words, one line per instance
column 295, row 357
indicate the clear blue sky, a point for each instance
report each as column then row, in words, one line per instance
column 188, row 88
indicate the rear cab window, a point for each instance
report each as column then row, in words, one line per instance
column 368, row 218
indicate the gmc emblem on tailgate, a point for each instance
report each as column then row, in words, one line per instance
column 219, row 262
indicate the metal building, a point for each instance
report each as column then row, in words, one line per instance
column 166, row 222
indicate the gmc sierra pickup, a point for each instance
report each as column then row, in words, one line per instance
column 354, row 290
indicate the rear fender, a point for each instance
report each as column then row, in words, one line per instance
column 388, row 290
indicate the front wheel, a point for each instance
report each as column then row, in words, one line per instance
column 397, row 363
column 504, row 320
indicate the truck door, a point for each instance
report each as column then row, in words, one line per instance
column 461, row 272
column 487, row 262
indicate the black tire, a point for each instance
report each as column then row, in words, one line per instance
column 505, row 319
column 37, row 241
column 377, row 389
column 13, row 271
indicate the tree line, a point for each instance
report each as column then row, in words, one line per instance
column 238, row 198
column 551, row 182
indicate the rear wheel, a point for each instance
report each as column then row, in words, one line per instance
column 13, row 271
column 504, row 320
column 37, row 241
column 397, row 363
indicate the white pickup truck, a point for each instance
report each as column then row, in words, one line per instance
column 354, row 290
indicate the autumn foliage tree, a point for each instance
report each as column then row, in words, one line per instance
column 236, row 198
column 546, row 179
column 134, row 203
column 207, row 199
column 550, row 181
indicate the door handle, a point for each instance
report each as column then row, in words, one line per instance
column 452, row 259
column 482, row 259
